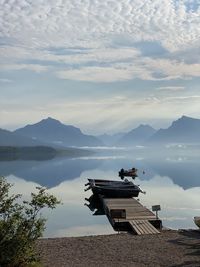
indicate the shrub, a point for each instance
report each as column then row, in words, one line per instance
column 21, row 224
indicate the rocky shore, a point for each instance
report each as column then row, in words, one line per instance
column 169, row 248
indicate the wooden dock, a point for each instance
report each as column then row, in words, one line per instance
column 127, row 214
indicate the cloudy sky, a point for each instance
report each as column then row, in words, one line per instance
column 102, row 65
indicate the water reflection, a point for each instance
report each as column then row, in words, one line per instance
column 170, row 180
column 95, row 205
column 182, row 170
column 48, row 173
column 179, row 206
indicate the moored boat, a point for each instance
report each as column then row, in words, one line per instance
column 197, row 221
column 128, row 173
column 114, row 189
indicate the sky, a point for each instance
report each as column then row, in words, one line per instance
column 101, row 65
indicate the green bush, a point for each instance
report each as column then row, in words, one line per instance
column 21, row 225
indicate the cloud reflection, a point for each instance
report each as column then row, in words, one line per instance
column 178, row 206
column 72, row 218
column 87, row 230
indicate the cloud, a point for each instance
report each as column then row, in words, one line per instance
column 173, row 69
column 188, row 98
column 101, row 65
column 69, row 21
column 118, row 72
column 96, row 34
column 171, row 88
column 141, row 68
column 4, row 80
column 82, row 54
column 33, row 67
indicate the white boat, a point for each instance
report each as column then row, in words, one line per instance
column 197, row 221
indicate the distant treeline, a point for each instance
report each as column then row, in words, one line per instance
column 9, row 153
column 26, row 153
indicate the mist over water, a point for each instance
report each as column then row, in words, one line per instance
column 171, row 179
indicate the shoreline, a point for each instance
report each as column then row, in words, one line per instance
column 169, row 248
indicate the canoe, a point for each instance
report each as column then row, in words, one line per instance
column 197, row 221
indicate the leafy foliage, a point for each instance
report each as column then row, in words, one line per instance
column 21, row 225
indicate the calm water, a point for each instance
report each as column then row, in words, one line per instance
column 171, row 179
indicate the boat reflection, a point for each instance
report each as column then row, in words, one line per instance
column 95, row 205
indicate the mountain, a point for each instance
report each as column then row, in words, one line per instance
column 53, row 131
column 110, row 139
column 183, row 130
column 8, row 138
column 137, row 136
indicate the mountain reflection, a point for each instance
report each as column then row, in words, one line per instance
column 182, row 169
column 169, row 180
column 48, row 173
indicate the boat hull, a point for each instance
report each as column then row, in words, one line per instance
column 128, row 173
column 100, row 182
column 197, row 221
column 116, row 192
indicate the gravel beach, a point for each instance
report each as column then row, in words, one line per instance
column 169, row 248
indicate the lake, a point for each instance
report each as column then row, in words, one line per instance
column 171, row 179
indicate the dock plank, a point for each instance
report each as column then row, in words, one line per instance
column 134, row 218
column 131, row 211
column 143, row 227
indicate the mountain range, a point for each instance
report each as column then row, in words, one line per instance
column 183, row 130
column 8, row 138
column 110, row 139
column 53, row 133
column 136, row 136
